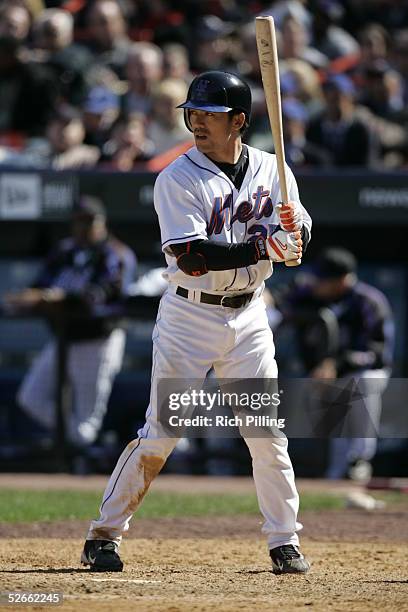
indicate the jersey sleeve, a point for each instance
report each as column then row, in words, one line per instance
column 181, row 215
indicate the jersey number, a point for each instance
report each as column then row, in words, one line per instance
column 258, row 230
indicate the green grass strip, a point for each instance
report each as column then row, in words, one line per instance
column 32, row 505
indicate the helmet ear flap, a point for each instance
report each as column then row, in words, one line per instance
column 187, row 119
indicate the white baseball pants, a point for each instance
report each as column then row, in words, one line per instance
column 188, row 339
column 91, row 368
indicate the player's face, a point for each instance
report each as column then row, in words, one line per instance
column 216, row 134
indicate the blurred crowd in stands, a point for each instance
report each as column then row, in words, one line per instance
column 86, row 84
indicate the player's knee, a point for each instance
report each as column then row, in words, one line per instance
column 268, row 449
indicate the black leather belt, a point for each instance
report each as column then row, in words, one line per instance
column 235, row 301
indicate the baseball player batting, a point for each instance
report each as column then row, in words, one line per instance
column 222, row 230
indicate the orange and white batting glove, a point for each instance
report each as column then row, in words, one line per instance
column 280, row 246
column 290, row 216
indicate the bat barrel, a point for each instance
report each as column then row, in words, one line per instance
column 268, row 60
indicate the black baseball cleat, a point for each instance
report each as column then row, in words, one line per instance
column 288, row 560
column 101, row 556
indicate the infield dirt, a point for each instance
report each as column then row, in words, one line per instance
column 359, row 562
column 210, row 574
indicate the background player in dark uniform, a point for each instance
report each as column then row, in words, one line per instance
column 85, row 272
column 345, row 329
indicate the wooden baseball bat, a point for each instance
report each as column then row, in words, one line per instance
column 268, row 60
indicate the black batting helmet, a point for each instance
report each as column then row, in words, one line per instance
column 218, row 92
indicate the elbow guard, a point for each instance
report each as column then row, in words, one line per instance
column 193, row 264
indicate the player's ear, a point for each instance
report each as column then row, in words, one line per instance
column 238, row 121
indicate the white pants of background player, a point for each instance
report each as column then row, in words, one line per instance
column 189, row 338
column 365, row 417
column 91, row 368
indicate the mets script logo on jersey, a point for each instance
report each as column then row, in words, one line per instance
column 246, row 211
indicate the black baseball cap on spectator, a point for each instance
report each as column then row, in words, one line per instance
column 333, row 263
column 89, row 207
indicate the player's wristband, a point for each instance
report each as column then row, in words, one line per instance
column 260, row 248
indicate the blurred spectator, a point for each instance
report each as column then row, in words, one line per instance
column 374, row 44
column 53, row 40
column 258, row 133
column 166, row 126
column 249, row 67
column 294, row 44
column 249, row 64
column 53, row 30
column 176, row 63
column 327, row 35
column 100, row 109
column 382, row 81
column 144, row 69
column 345, row 331
column 160, row 21
column 62, row 148
column 298, row 151
column 305, row 85
column 106, row 35
column 211, row 44
column 65, row 135
column 101, row 76
column 27, row 92
column 128, row 147
column 281, row 9
column 346, row 139
column 383, row 91
column 85, row 272
column 390, row 136
column 15, row 21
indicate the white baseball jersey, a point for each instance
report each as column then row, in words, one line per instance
column 194, row 200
